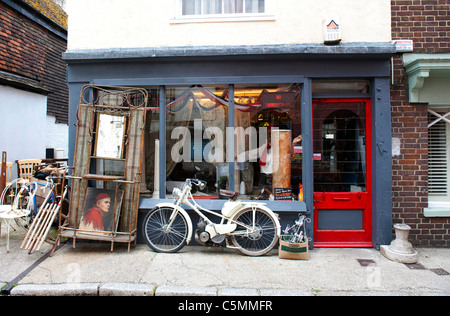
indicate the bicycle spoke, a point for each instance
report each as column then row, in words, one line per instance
column 256, row 233
column 162, row 235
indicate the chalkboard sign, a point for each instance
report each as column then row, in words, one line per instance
column 281, row 194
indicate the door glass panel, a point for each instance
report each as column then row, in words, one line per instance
column 339, row 147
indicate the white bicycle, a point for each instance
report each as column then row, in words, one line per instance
column 252, row 228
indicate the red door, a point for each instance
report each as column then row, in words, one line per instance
column 342, row 173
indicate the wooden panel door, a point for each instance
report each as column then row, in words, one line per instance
column 342, row 173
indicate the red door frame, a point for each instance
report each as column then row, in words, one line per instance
column 346, row 200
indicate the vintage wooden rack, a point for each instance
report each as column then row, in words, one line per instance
column 116, row 106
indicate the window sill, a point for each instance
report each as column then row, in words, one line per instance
column 226, row 18
column 436, row 212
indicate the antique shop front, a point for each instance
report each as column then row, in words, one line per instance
column 304, row 128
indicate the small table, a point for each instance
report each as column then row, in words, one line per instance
column 8, row 215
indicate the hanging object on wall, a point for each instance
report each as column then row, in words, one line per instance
column 331, row 32
column 404, row 46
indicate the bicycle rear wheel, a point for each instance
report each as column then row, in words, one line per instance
column 257, row 231
column 165, row 229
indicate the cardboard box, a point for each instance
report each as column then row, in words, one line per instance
column 296, row 251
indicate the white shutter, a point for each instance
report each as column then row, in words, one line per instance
column 438, row 158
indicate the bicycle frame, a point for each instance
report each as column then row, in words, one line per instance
column 227, row 225
column 35, row 186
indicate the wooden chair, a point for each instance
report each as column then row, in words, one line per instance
column 9, row 166
column 25, row 168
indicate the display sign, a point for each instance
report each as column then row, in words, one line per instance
column 284, row 100
column 331, row 31
column 281, row 194
column 403, row 46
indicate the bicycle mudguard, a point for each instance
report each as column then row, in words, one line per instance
column 186, row 216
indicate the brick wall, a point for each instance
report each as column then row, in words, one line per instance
column 427, row 22
column 30, row 50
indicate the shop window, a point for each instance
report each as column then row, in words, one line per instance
column 196, row 122
column 221, row 7
column 439, row 157
column 268, row 141
column 267, row 147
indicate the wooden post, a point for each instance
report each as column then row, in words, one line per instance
column 3, row 173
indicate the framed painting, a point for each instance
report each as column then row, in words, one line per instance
column 101, row 211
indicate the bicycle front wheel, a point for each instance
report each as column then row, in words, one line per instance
column 165, row 229
column 257, row 231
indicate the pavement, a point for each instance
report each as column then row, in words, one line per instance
column 91, row 269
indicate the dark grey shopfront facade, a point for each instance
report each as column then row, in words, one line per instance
column 283, row 64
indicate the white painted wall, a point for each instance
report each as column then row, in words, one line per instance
column 26, row 129
column 102, row 24
column 57, row 137
column 23, row 122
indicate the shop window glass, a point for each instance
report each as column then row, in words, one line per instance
column 196, row 123
column 267, row 121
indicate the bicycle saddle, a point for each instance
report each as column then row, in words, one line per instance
column 229, row 194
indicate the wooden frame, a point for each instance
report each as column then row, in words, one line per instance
column 96, row 100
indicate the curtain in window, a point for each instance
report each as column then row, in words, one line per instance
column 233, row 6
column 254, row 6
column 192, row 7
column 199, row 7
column 212, row 6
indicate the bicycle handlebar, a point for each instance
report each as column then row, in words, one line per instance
column 200, row 183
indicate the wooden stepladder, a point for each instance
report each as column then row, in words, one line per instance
column 40, row 227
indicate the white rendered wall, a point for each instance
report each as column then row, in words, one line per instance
column 103, row 24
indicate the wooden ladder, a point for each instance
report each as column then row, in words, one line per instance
column 40, row 227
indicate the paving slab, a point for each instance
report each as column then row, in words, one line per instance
column 92, row 269
column 16, row 261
